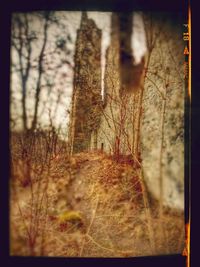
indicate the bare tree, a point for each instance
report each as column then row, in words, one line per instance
column 33, row 62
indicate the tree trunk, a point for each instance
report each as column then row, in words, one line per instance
column 40, row 70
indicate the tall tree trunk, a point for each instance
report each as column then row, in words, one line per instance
column 24, row 115
column 40, row 70
column 24, row 71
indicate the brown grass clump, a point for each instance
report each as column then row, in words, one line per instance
column 86, row 205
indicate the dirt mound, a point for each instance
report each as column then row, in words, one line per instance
column 91, row 205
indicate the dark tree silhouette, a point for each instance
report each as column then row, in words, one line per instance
column 33, row 62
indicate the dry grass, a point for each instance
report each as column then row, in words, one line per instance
column 111, row 212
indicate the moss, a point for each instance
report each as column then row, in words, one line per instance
column 67, row 216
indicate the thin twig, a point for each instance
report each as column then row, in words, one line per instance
column 90, row 225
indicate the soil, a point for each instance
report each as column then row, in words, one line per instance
column 110, row 215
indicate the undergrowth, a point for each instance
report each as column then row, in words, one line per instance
column 86, row 205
